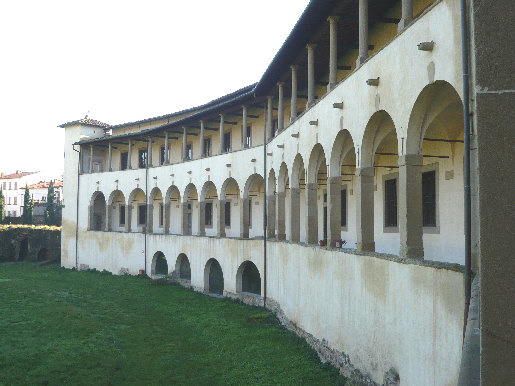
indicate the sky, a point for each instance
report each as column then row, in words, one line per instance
column 120, row 61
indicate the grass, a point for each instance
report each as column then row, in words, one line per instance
column 65, row 327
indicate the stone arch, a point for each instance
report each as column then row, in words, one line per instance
column 159, row 264
column 316, row 181
column 251, row 215
column 282, row 198
column 248, row 278
column 282, row 178
column 297, row 172
column 207, row 191
column 189, row 210
column 271, row 182
column 137, row 212
column 229, row 186
column 115, row 206
column 436, row 101
column 207, row 204
column 228, row 213
column 213, row 277
column 155, row 212
column 182, row 267
column 172, row 210
column 343, row 147
column 190, row 190
column 97, row 212
column 297, row 219
column 380, row 130
column 316, row 160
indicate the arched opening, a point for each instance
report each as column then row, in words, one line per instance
column 229, row 209
column 159, row 264
column 182, row 267
column 316, row 196
column 252, row 207
column 283, row 201
column 173, row 211
column 44, row 254
column 213, row 277
column 208, row 215
column 155, row 211
column 24, row 249
column 271, row 204
column 116, row 212
column 137, row 217
column 248, row 278
column 297, row 203
column 97, row 212
column 190, row 211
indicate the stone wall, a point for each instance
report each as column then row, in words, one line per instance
column 29, row 243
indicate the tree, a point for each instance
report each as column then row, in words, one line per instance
column 51, row 211
column 2, row 207
column 28, row 205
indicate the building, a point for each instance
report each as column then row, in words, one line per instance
column 355, row 134
column 11, row 185
column 39, row 194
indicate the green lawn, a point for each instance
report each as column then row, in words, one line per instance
column 64, row 327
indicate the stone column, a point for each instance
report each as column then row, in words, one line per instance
column 244, row 218
column 295, row 214
column 110, row 158
column 281, row 215
column 202, row 130
column 244, row 124
column 334, row 214
column 91, row 158
column 221, row 134
column 167, row 156
column 149, row 153
column 311, row 213
column 311, row 75
column 150, row 218
column 129, row 155
column 363, row 32
column 184, row 218
column 128, row 217
column 184, row 143
column 108, row 226
column 365, row 209
column 221, row 218
column 270, row 216
column 269, row 119
column 202, row 218
column 333, row 52
column 293, row 113
column 166, row 214
column 280, row 108
column 410, row 206
column 407, row 14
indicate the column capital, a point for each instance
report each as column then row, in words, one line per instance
column 333, row 19
column 201, row 121
column 294, row 67
column 367, row 171
column 411, row 160
column 311, row 46
column 280, row 84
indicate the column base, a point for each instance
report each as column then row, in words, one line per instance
column 331, row 87
column 403, row 24
column 221, row 235
column 281, row 236
column 361, row 60
column 201, row 233
column 412, row 252
column 366, row 247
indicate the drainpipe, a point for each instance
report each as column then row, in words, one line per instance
column 466, row 156
column 264, row 207
column 77, row 213
column 149, row 148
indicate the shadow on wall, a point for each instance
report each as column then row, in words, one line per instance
column 24, row 243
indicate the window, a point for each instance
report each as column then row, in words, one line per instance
column 5, row 185
column 208, row 214
column 15, row 200
column 228, row 213
column 163, row 155
column 43, row 198
column 250, row 212
column 14, row 214
column 189, row 151
column 161, row 214
column 9, row 200
column 15, row 185
column 142, row 158
column 390, row 202
column 248, row 139
column 142, row 214
column 124, row 158
column 9, row 185
column 121, row 215
column 429, row 199
column 227, row 142
column 343, row 208
column 207, row 147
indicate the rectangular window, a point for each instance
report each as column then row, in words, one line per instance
column 9, row 185
column 250, row 212
column 124, row 158
column 343, row 208
column 5, row 184
column 9, row 200
column 162, row 157
column 121, row 215
column 161, row 214
column 43, row 198
column 142, row 158
column 390, row 203
column 228, row 213
column 142, row 215
column 209, row 214
column 429, row 199
column 189, row 151
column 248, row 139
column 15, row 200
column 14, row 214
column 227, row 142
column 15, row 185
column 207, row 147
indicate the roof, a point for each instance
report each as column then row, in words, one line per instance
column 15, row 175
column 44, row 185
column 87, row 122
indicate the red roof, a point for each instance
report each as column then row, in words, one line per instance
column 86, row 121
column 15, row 175
column 44, row 185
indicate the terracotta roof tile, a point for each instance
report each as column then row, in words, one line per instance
column 15, row 175
column 86, row 121
column 44, row 185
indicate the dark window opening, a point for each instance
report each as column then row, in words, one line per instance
column 189, row 151
column 209, row 214
column 227, row 142
column 184, row 268
column 207, row 147
column 228, row 214
column 161, row 214
column 142, row 215
column 429, row 199
column 250, row 212
column 248, row 139
column 163, row 155
column 390, row 197
column 343, row 208
column 251, row 280
column 124, row 159
column 121, row 217
column 142, row 158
